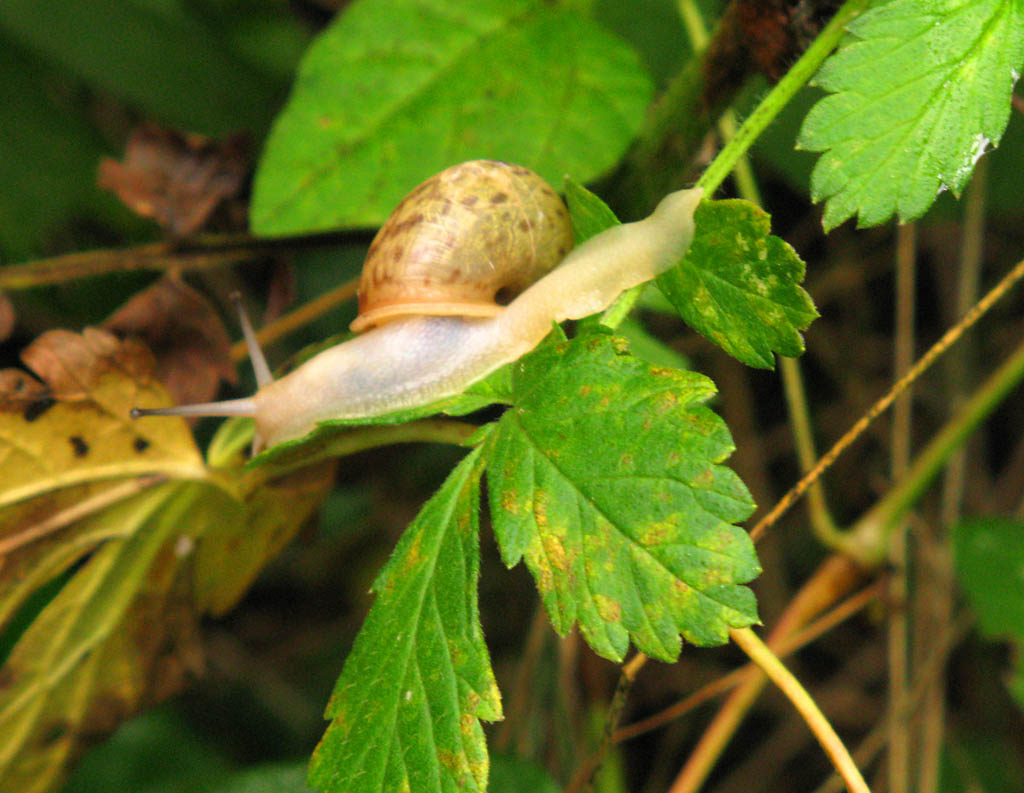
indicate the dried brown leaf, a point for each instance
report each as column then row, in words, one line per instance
column 186, row 334
column 177, row 179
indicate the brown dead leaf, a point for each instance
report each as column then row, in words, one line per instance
column 177, row 179
column 7, row 317
column 186, row 334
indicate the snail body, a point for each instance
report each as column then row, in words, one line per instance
column 413, row 359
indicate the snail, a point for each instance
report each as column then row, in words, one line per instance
column 431, row 324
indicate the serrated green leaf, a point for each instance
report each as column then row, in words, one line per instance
column 590, row 215
column 650, row 348
column 989, row 556
column 740, row 286
column 917, row 97
column 396, row 90
column 406, row 709
column 606, row 478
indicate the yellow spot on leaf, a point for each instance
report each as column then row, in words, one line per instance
column 610, row 610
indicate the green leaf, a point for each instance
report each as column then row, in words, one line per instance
column 160, row 54
column 918, row 95
column 740, row 286
column 590, row 215
column 989, row 555
column 606, row 477
column 511, row 774
column 406, row 709
column 989, row 560
column 48, row 156
column 650, row 348
column 396, row 90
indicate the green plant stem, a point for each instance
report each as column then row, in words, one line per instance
column 868, row 537
column 993, row 296
column 746, row 185
column 779, row 96
column 822, row 524
column 358, row 439
column 759, row 653
column 730, row 157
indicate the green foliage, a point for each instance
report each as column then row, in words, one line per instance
column 351, row 141
column 405, row 711
column 605, row 476
column 740, row 285
column 35, row 128
column 989, row 558
column 606, row 473
column 165, row 57
column 990, row 565
column 515, row 775
column 918, row 95
column 590, row 215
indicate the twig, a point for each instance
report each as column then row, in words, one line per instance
column 786, row 645
column 302, row 315
column 628, row 674
column 822, row 523
column 948, row 339
column 184, row 255
column 831, row 581
column 769, row 663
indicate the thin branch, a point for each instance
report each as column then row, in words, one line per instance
column 836, row 750
column 182, row 255
column 787, row 645
column 832, row 580
column 822, row 524
column 935, row 352
column 611, row 722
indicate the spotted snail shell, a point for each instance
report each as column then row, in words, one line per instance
column 462, row 243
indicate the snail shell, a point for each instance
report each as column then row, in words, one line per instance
column 462, row 240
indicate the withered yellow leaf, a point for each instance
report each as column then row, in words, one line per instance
column 74, row 426
column 158, row 538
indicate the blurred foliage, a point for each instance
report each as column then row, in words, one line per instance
column 79, row 76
